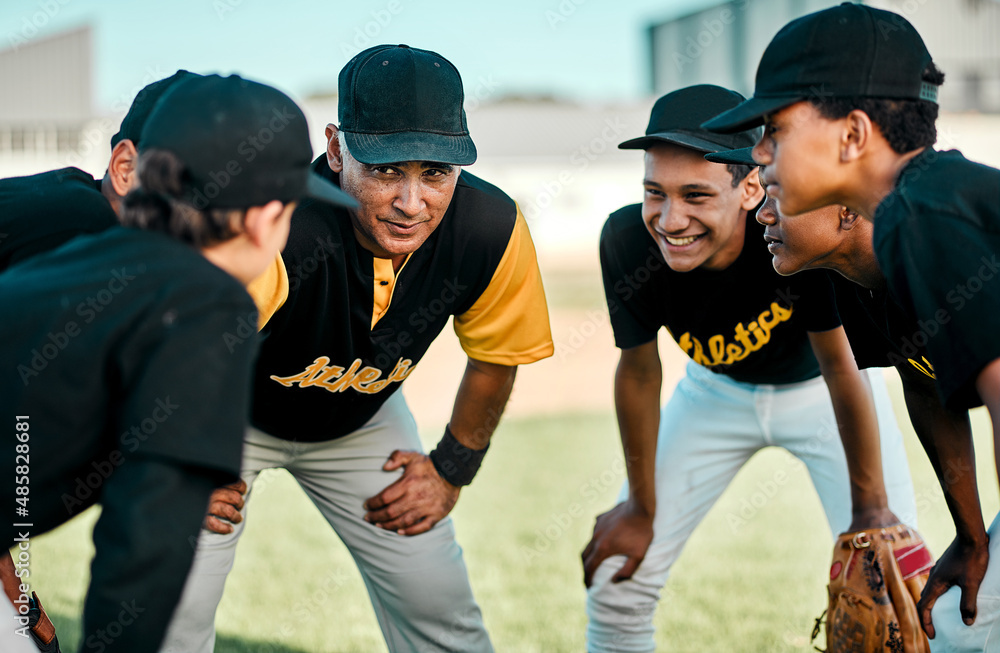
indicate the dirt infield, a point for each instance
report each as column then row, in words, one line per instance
column 579, row 377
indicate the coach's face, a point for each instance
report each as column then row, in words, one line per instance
column 692, row 210
column 401, row 204
column 801, row 150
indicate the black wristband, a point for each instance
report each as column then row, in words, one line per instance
column 455, row 462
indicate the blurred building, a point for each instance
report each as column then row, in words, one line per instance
column 46, row 107
column 723, row 44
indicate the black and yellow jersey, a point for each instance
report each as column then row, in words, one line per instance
column 352, row 330
column 746, row 321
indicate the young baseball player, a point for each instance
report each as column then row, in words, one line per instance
column 117, row 378
column 865, row 142
column 38, row 213
column 691, row 258
column 428, row 243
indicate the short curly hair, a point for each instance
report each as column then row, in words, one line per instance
column 906, row 124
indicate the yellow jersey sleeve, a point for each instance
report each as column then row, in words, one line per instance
column 269, row 291
column 509, row 323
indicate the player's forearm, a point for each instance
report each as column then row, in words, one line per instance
column 857, row 422
column 481, row 399
column 946, row 437
column 637, row 404
column 8, row 576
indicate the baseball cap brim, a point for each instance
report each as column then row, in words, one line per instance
column 748, row 114
column 319, row 188
column 377, row 149
column 676, row 137
column 738, row 157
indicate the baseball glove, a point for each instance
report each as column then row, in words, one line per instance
column 875, row 582
column 42, row 631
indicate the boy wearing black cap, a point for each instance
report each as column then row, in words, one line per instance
column 429, row 242
column 864, row 140
column 117, row 372
column 690, row 258
column 39, row 213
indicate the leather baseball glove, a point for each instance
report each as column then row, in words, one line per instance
column 875, row 582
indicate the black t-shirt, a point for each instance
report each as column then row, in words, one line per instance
column 41, row 212
column 116, row 348
column 882, row 334
column 746, row 321
column 937, row 239
column 326, row 364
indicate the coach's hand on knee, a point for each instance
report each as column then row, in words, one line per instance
column 224, row 508
column 624, row 530
column 419, row 499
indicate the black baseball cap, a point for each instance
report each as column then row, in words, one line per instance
column 850, row 50
column 399, row 103
column 739, row 157
column 676, row 118
column 243, row 144
column 142, row 106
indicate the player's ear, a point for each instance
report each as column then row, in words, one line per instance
column 751, row 192
column 121, row 168
column 849, row 219
column 262, row 224
column 334, row 157
column 855, row 136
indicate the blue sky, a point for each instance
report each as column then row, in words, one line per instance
column 583, row 49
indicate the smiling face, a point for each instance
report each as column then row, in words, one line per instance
column 801, row 150
column 401, row 204
column 692, row 210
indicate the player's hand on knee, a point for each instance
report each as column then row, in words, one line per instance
column 624, row 530
column 224, row 508
column 961, row 564
column 419, row 499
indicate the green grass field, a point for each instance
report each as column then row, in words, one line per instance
column 754, row 586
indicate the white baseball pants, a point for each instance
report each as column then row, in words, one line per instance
column 709, row 428
column 418, row 584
